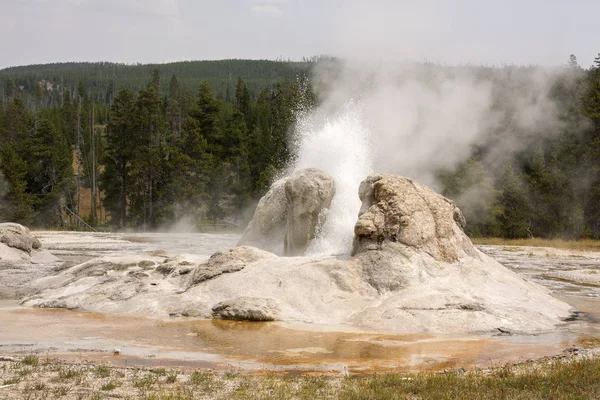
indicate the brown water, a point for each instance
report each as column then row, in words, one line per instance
column 255, row 346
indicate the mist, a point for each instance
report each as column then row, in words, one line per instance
column 381, row 112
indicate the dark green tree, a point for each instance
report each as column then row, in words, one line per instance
column 17, row 204
column 120, row 145
column 51, row 174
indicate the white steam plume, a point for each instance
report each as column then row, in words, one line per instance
column 415, row 120
column 382, row 114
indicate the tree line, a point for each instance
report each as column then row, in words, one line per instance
column 144, row 157
column 148, row 158
column 103, row 80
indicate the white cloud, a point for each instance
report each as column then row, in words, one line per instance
column 166, row 8
column 268, row 8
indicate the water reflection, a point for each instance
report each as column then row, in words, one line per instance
column 255, row 345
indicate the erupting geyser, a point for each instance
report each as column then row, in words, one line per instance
column 413, row 270
column 341, row 148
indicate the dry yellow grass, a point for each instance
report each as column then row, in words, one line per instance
column 40, row 378
column 584, row 244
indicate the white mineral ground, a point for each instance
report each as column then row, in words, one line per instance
column 416, row 292
column 275, row 345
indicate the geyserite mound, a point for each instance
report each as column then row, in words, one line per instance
column 413, row 270
column 289, row 216
column 396, row 209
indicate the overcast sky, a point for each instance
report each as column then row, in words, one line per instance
column 449, row 31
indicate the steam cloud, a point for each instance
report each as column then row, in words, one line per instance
column 387, row 115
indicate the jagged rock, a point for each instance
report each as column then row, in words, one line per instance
column 267, row 228
column 229, row 261
column 309, row 193
column 247, row 309
column 19, row 237
column 397, row 210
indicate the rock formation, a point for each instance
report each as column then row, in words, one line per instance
column 309, row 193
column 18, row 237
column 226, row 262
column 291, row 213
column 397, row 210
column 247, row 309
column 22, row 259
column 267, row 228
column 413, row 270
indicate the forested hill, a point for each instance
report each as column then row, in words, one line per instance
column 146, row 146
column 102, row 79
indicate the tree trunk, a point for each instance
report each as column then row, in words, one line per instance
column 123, row 193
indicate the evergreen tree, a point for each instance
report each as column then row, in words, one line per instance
column 117, row 159
column 51, row 174
column 17, row 123
column 207, row 114
column 597, row 61
column 514, row 210
column 146, row 167
column 236, row 154
column 472, row 188
column 243, row 103
column 17, row 204
column 155, row 81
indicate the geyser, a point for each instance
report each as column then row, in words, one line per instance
column 416, row 120
column 413, row 271
column 340, row 146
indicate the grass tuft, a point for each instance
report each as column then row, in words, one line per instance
column 102, row 371
column 112, row 385
column 145, row 382
column 66, row 373
column 171, row 377
column 31, row 360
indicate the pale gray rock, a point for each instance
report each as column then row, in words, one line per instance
column 291, row 213
column 247, row 309
column 19, row 237
column 226, row 262
column 197, row 310
column 309, row 193
column 266, row 230
column 22, row 260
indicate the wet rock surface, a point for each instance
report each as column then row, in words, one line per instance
column 564, row 271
